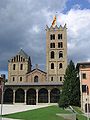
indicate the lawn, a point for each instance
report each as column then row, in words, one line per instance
column 80, row 115
column 47, row 113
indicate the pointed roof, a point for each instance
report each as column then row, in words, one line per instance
column 23, row 54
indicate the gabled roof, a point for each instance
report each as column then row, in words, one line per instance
column 23, row 54
column 37, row 70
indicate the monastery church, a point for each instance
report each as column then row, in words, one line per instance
column 34, row 86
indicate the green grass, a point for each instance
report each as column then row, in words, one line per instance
column 47, row 113
column 77, row 109
column 80, row 115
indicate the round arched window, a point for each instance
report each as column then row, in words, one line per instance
column 52, row 54
column 60, row 65
column 52, row 65
column 36, row 79
column 60, row 54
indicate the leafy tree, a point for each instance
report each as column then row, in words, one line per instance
column 71, row 87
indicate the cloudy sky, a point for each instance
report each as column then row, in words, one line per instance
column 23, row 22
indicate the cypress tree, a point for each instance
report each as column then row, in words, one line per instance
column 71, row 87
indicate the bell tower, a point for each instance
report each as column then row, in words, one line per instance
column 56, row 52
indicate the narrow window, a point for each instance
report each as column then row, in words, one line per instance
column 21, row 59
column 36, row 79
column 52, row 45
column 12, row 60
column 21, row 66
column 52, row 65
column 51, row 78
column 59, row 36
column 84, row 75
column 13, row 78
column 60, row 45
column 60, row 78
column 52, row 54
column 17, row 58
column 60, row 54
column 14, row 66
column 84, row 88
column 60, row 65
column 53, row 36
column 20, row 78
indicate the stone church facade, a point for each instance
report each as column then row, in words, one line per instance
column 33, row 86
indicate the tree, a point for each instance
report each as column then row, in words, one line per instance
column 71, row 87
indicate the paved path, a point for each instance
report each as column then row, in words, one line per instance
column 8, row 109
column 7, row 119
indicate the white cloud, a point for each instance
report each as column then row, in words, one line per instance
column 78, row 24
column 36, row 29
column 22, row 24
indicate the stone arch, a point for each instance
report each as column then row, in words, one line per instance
column 54, row 95
column 31, row 97
column 8, row 96
column 43, row 95
column 87, row 106
column 19, row 96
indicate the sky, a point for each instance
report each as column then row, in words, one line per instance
column 23, row 23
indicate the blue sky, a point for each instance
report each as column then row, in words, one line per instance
column 23, row 22
column 83, row 4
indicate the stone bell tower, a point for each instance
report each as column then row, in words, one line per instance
column 56, row 52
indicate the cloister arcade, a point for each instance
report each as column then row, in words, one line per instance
column 31, row 96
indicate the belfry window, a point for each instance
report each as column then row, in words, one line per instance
column 52, row 37
column 60, row 45
column 52, row 65
column 59, row 36
column 60, row 54
column 36, row 79
column 52, row 54
column 52, row 45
